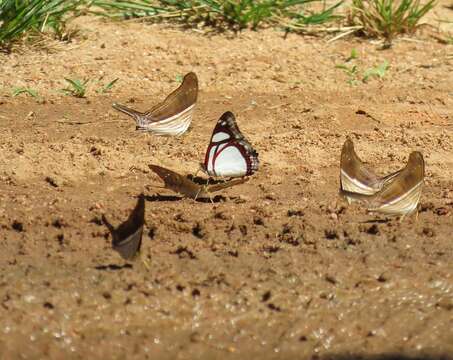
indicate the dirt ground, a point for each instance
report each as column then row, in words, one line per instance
column 280, row 267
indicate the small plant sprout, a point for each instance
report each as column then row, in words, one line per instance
column 107, row 87
column 24, row 90
column 378, row 71
column 179, row 78
column 76, row 87
column 354, row 55
column 352, row 72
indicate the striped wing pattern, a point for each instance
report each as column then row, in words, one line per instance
column 356, row 177
column 404, row 204
column 229, row 153
column 352, row 184
column 174, row 125
column 171, row 117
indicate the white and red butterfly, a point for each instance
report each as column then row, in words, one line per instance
column 229, row 153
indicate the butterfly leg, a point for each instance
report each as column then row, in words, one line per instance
column 206, row 187
column 402, row 218
column 198, row 193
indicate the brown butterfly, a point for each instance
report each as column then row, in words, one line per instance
column 399, row 196
column 183, row 185
column 172, row 116
column 127, row 237
column 356, row 177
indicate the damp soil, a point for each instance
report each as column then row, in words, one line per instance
column 277, row 267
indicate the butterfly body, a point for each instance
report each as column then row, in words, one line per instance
column 401, row 195
column 173, row 116
column 229, row 153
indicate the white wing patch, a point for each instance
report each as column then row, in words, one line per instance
column 210, row 170
column 230, row 162
column 220, row 136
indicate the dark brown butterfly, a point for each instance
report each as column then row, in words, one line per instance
column 356, row 177
column 127, row 237
column 172, row 116
column 183, row 185
column 399, row 196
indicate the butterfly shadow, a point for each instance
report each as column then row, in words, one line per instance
column 376, row 221
column 113, row 267
column 164, row 198
column 203, row 181
column 158, row 198
column 127, row 237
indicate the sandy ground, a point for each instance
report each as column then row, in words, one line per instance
column 280, row 267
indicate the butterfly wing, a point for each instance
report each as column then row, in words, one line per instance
column 229, row 153
column 181, row 99
column 355, row 175
column 402, row 194
column 177, row 182
column 226, row 184
column 172, row 116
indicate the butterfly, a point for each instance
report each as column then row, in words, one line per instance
column 401, row 195
column 127, row 237
column 356, row 177
column 183, row 185
column 229, row 153
column 172, row 116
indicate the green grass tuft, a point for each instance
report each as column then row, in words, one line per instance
column 19, row 17
column 220, row 14
column 76, row 87
column 388, row 18
column 107, row 87
column 24, row 90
